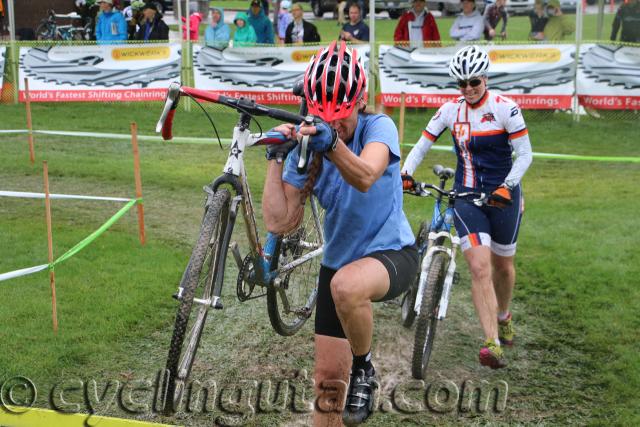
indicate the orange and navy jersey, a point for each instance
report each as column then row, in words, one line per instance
column 483, row 135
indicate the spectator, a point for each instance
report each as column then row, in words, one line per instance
column 300, row 31
column 265, row 7
column 152, row 27
column 194, row 23
column 284, row 19
column 628, row 16
column 538, row 20
column 558, row 26
column 111, row 27
column 217, row 33
column 469, row 25
column 245, row 35
column 341, row 8
column 416, row 26
column 260, row 23
column 493, row 14
column 355, row 31
column 133, row 16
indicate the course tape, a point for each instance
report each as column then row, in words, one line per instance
column 22, row 272
column 74, row 250
column 555, row 156
column 15, row 416
column 28, row 195
column 195, row 140
column 178, row 139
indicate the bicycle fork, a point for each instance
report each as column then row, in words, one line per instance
column 449, row 277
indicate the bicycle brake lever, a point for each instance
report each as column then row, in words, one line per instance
column 303, row 148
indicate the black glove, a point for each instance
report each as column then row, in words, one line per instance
column 501, row 197
column 408, row 183
column 278, row 146
column 325, row 138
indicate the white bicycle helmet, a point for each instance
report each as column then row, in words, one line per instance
column 469, row 62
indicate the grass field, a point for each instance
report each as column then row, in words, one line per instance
column 576, row 302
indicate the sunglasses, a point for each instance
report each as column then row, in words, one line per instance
column 473, row 83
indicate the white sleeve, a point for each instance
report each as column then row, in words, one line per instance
column 416, row 155
column 522, row 150
column 519, row 140
column 435, row 127
column 455, row 32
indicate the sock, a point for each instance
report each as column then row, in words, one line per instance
column 363, row 362
column 503, row 316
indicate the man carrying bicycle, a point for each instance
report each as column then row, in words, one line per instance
column 369, row 253
column 487, row 129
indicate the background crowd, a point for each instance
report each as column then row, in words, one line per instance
column 119, row 20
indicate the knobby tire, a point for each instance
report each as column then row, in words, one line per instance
column 199, row 276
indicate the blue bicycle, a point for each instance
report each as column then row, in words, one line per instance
column 428, row 298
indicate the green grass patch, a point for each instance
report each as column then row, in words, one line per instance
column 575, row 307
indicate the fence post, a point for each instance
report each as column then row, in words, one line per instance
column 52, row 274
column 138, row 179
column 401, row 120
column 27, row 103
column 579, row 19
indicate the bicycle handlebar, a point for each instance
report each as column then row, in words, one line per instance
column 421, row 189
column 242, row 105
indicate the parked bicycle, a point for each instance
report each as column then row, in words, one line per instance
column 50, row 30
column 284, row 269
column 428, row 298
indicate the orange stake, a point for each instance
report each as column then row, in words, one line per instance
column 27, row 103
column 136, row 172
column 52, row 275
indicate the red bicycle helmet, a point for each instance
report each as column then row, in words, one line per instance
column 334, row 81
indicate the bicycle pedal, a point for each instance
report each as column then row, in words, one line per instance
column 176, row 297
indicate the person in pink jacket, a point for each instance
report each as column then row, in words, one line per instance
column 194, row 25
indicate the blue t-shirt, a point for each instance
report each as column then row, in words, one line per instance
column 357, row 224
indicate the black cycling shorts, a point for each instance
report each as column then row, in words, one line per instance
column 402, row 267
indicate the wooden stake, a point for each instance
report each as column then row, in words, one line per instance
column 401, row 124
column 27, row 103
column 52, row 275
column 136, row 172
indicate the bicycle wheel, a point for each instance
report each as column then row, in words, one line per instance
column 291, row 297
column 197, row 283
column 409, row 298
column 427, row 321
column 44, row 32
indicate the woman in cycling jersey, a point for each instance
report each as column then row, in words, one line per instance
column 369, row 253
column 487, row 130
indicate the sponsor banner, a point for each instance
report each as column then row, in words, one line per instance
column 609, row 77
column 127, row 72
column 3, row 51
column 97, row 95
column 531, row 102
column 265, row 74
column 536, row 76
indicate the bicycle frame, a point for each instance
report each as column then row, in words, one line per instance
column 234, row 174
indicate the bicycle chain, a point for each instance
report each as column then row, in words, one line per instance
column 244, row 283
column 603, row 63
column 86, row 71
column 398, row 63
